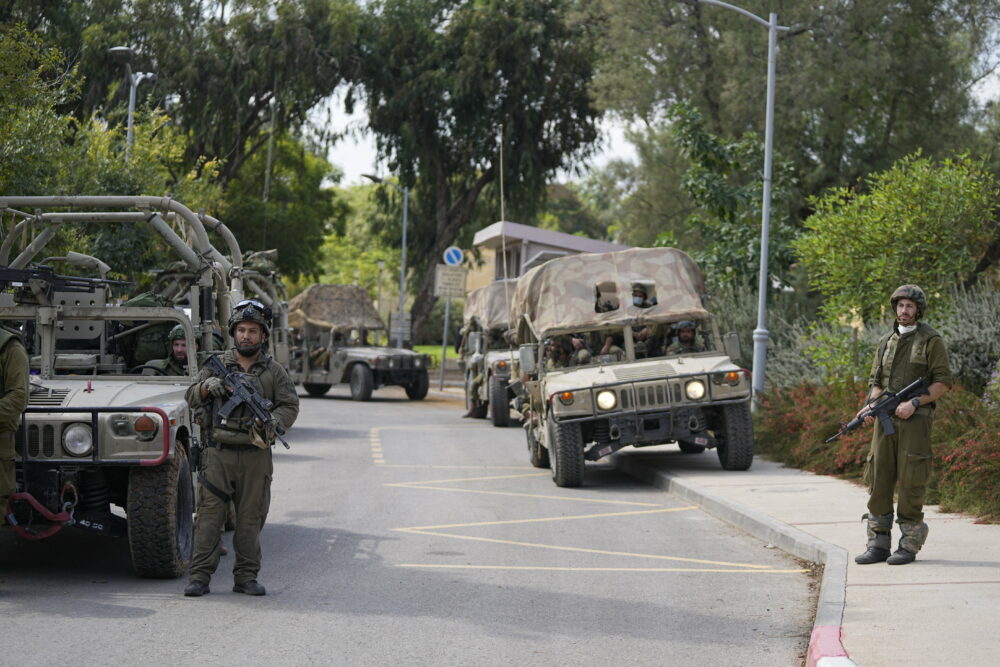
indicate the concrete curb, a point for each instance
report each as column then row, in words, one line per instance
column 825, row 646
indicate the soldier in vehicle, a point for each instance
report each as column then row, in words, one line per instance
column 686, row 340
column 176, row 362
column 557, row 353
column 14, row 380
column 581, row 355
column 238, row 464
column 640, row 296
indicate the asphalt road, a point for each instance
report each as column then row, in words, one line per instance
column 400, row 533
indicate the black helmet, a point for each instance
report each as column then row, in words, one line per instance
column 914, row 294
column 250, row 310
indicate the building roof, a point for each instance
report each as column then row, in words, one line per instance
column 490, row 237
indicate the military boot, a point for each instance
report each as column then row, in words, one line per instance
column 914, row 536
column 879, row 539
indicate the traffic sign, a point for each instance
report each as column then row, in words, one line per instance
column 449, row 281
column 453, row 256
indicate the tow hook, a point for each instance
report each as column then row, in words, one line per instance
column 56, row 520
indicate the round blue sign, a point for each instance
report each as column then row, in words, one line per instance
column 453, row 256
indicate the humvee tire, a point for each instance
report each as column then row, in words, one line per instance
column 418, row 390
column 736, row 437
column 537, row 454
column 160, row 509
column 499, row 405
column 361, row 382
column 566, row 454
column 316, row 390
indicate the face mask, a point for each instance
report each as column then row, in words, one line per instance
column 637, row 300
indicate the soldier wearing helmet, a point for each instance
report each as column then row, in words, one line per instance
column 237, row 459
column 912, row 350
column 176, row 362
column 686, row 340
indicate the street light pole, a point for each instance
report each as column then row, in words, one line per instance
column 760, row 334
column 124, row 55
column 402, row 261
column 381, row 265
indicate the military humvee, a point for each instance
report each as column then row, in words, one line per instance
column 635, row 385
column 486, row 356
column 104, row 448
column 332, row 327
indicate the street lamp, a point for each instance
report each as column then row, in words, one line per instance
column 402, row 263
column 123, row 54
column 381, row 267
column 760, row 333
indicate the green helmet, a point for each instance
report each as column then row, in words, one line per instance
column 177, row 333
column 250, row 310
column 914, row 294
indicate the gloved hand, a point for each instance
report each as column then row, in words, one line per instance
column 215, row 387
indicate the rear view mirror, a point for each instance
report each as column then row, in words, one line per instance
column 526, row 355
column 731, row 343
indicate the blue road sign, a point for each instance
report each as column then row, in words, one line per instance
column 453, row 256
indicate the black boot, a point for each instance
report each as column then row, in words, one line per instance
column 873, row 555
column 901, row 557
column 195, row 589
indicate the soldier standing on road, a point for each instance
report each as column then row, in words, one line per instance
column 237, row 459
column 912, row 350
column 14, row 378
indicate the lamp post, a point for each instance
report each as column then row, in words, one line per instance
column 402, row 261
column 123, row 54
column 760, row 334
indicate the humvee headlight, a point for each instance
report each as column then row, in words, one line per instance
column 78, row 439
column 606, row 400
column 566, row 397
column 695, row 390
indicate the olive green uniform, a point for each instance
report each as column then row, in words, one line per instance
column 240, row 470
column 169, row 365
column 14, row 376
column 905, row 456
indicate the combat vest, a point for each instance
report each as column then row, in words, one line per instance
column 5, row 337
column 902, row 359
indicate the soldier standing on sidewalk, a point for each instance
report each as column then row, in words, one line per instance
column 14, row 383
column 912, row 350
column 237, row 459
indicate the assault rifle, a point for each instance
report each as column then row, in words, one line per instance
column 244, row 393
column 38, row 283
column 883, row 407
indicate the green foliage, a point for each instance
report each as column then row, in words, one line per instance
column 722, row 183
column 792, row 423
column 567, row 210
column 915, row 223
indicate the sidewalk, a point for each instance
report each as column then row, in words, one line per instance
column 939, row 610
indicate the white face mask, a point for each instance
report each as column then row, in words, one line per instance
column 906, row 330
column 637, row 300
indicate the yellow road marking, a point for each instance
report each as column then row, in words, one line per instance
column 529, row 495
column 597, row 569
column 436, row 467
column 469, row 479
column 603, row 552
column 552, row 518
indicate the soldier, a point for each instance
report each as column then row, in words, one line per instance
column 176, row 362
column 14, row 378
column 686, row 340
column 581, row 355
column 910, row 351
column 237, row 459
column 640, row 296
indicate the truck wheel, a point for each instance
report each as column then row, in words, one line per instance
column 690, row 447
column 473, row 406
column 538, row 455
column 566, row 454
column 361, row 382
column 316, row 390
column 418, row 389
column 736, row 441
column 499, row 405
column 160, row 508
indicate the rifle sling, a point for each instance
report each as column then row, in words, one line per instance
column 216, row 491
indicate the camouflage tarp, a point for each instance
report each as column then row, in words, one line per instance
column 341, row 307
column 487, row 306
column 568, row 294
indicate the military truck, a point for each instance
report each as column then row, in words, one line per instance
column 635, row 385
column 104, row 448
column 485, row 355
column 331, row 329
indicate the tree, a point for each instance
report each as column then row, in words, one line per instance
column 445, row 81
column 918, row 222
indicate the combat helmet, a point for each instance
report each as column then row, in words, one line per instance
column 250, row 310
column 914, row 294
column 177, row 333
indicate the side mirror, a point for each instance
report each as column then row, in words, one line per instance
column 476, row 342
column 526, row 355
column 731, row 343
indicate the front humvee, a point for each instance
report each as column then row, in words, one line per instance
column 632, row 385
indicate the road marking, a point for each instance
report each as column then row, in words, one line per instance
column 378, row 456
column 603, row 552
column 597, row 569
column 409, row 485
column 474, row 467
column 469, row 479
column 552, row 518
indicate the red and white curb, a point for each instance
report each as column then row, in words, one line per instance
column 826, row 648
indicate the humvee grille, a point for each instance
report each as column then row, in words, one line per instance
column 41, row 441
